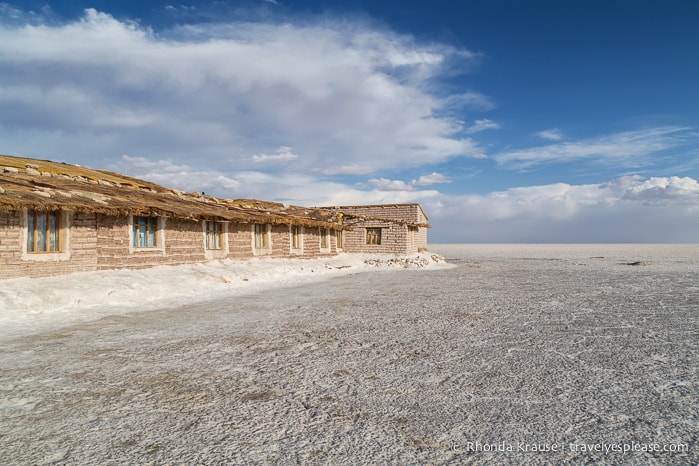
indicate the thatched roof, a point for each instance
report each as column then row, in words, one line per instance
column 349, row 214
column 46, row 185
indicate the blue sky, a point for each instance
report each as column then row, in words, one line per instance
column 509, row 121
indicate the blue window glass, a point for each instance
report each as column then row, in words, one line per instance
column 145, row 231
column 214, row 232
column 43, row 231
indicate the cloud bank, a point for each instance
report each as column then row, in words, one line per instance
column 229, row 94
column 625, row 209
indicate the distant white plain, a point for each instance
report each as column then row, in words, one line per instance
column 574, row 348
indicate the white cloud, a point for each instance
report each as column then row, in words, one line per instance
column 385, row 184
column 432, row 178
column 661, row 190
column 561, row 200
column 179, row 176
column 630, row 148
column 627, row 209
column 142, row 164
column 554, row 134
column 331, row 90
column 282, row 154
column 353, row 169
column 12, row 15
column 472, row 100
column 482, row 125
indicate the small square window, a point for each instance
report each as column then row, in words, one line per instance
column 295, row 237
column 43, row 231
column 214, row 235
column 373, row 236
column 324, row 241
column 145, row 232
column 261, row 240
column 339, row 239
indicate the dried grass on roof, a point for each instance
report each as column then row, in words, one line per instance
column 45, row 185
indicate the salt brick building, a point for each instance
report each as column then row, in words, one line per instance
column 399, row 229
column 58, row 218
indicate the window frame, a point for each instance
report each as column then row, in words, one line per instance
column 339, row 239
column 324, row 238
column 64, row 220
column 53, row 241
column 296, row 239
column 261, row 239
column 152, row 226
column 213, row 233
column 373, row 236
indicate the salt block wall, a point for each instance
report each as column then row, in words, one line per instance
column 281, row 241
column 78, row 236
column 419, row 239
column 396, row 237
column 82, row 242
column 11, row 264
column 240, row 240
column 101, row 242
column 311, row 243
column 410, row 213
column 182, row 240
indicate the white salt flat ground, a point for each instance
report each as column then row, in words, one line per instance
column 560, row 347
column 28, row 305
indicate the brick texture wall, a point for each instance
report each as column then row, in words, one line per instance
column 396, row 238
column 411, row 213
column 10, row 245
column 182, row 239
column 240, row 240
column 78, row 253
column 102, row 242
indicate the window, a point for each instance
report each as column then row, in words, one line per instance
column 145, row 232
column 43, row 231
column 373, row 236
column 295, row 237
column 339, row 239
column 261, row 241
column 324, row 238
column 214, row 235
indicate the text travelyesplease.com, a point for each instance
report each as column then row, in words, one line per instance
column 573, row 447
